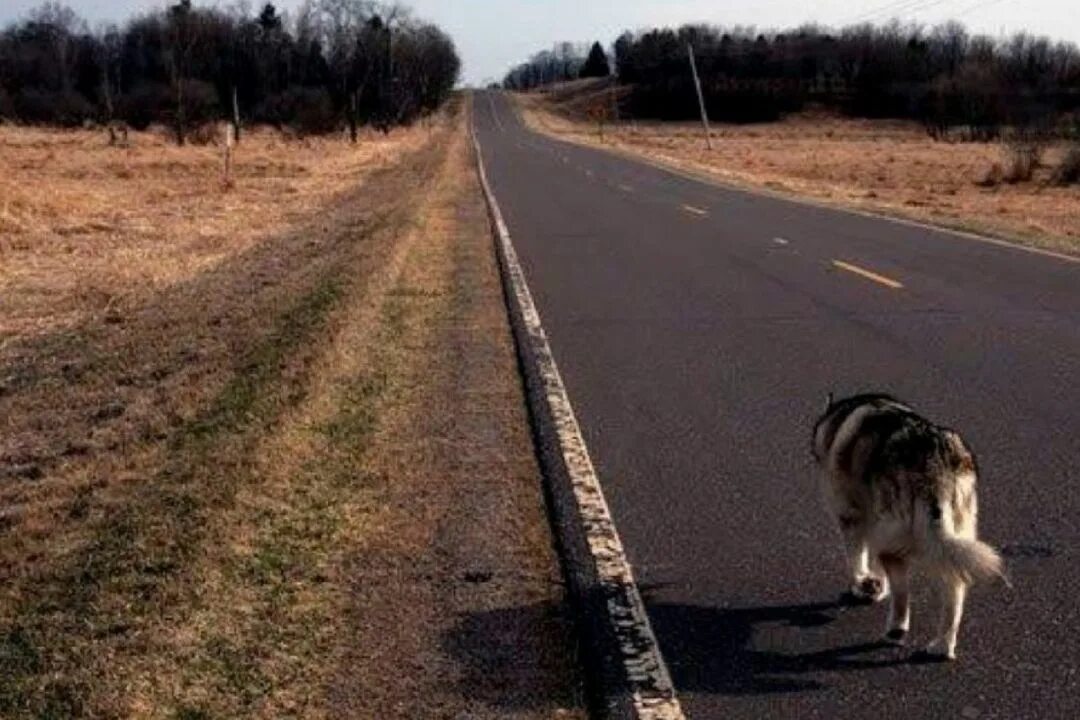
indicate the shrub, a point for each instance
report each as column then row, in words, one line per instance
column 308, row 110
column 1068, row 171
column 150, row 103
column 993, row 176
column 7, row 106
column 145, row 104
column 1021, row 160
column 200, row 102
column 206, row 134
column 66, row 109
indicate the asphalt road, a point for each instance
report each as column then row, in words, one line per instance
column 698, row 330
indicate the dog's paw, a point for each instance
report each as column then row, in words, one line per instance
column 896, row 636
column 869, row 589
column 850, row 599
column 938, row 651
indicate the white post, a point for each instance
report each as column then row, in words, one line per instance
column 230, row 141
column 700, row 96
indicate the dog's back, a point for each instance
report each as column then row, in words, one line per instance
column 902, row 489
column 888, row 463
column 842, row 423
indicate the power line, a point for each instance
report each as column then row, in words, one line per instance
column 887, row 9
column 932, row 5
column 907, row 7
column 979, row 6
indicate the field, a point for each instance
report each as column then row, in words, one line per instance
column 892, row 167
column 243, row 427
column 85, row 227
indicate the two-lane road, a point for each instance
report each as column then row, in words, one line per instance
column 698, row 330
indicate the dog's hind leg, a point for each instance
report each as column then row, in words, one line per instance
column 865, row 585
column 953, row 594
column 896, row 570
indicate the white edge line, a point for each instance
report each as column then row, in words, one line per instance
column 650, row 681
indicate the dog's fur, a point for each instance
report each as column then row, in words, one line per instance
column 903, row 491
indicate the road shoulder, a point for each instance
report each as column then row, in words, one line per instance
column 457, row 607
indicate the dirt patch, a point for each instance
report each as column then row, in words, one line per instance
column 877, row 165
column 196, row 482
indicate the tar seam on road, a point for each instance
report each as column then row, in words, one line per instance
column 868, row 274
column 495, row 114
column 634, row 682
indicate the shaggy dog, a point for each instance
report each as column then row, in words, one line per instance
column 902, row 490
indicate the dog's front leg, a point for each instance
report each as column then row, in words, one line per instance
column 865, row 585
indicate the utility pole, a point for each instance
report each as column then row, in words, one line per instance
column 235, row 114
column 700, row 97
column 614, row 79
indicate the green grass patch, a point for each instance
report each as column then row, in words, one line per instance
column 295, row 610
column 233, row 407
column 105, row 590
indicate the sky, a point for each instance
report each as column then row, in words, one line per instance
column 494, row 35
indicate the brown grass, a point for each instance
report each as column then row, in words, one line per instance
column 878, row 165
column 459, row 537
column 193, row 477
column 84, row 225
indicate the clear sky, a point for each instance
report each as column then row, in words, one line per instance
column 493, row 35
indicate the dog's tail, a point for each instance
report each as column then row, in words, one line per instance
column 966, row 560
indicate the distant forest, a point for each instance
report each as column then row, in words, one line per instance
column 335, row 63
column 943, row 77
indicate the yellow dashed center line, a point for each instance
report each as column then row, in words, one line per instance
column 695, row 210
column 869, row 275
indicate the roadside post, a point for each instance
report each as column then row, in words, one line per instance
column 700, row 96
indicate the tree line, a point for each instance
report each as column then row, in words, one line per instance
column 945, row 77
column 566, row 61
column 335, row 63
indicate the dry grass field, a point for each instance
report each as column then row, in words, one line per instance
column 242, row 431
column 85, row 226
column 877, row 165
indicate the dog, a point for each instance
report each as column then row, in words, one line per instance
column 902, row 490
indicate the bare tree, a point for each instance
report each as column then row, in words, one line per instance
column 181, row 35
column 339, row 61
column 60, row 24
column 944, row 77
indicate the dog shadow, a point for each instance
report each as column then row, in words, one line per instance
column 711, row 649
column 507, row 659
